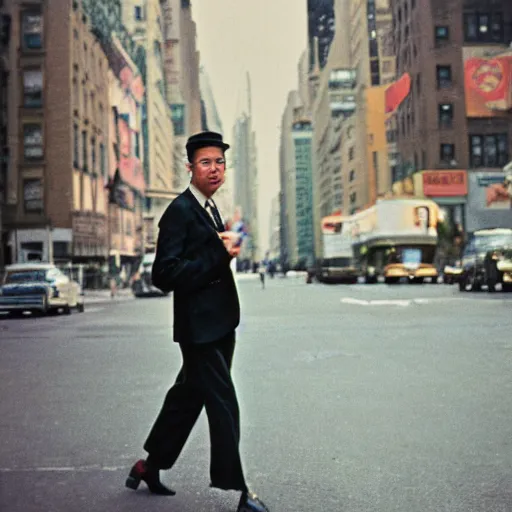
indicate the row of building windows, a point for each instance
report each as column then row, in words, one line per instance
column 96, row 155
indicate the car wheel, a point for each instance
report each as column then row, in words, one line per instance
column 67, row 309
column 80, row 307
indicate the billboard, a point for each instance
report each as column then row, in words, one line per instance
column 444, row 183
column 492, row 191
column 394, row 218
column 336, row 243
column 489, row 201
column 488, row 86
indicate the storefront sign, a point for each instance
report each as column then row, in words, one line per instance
column 89, row 231
column 445, row 183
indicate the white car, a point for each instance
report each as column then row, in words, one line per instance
column 40, row 288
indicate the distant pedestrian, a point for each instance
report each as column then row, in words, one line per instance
column 193, row 259
column 261, row 271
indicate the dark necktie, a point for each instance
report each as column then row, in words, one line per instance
column 219, row 226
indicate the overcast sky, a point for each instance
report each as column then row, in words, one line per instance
column 266, row 39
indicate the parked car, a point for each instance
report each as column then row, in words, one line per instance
column 39, row 288
column 487, row 260
column 142, row 285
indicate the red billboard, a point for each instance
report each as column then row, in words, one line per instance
column 488, row 86
column 445, row 183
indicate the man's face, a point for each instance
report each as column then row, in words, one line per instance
column 208, row 170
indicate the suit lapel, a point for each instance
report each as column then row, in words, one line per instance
column 199, row 210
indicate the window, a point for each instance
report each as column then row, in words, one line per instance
column 444, row 77
column 33, row 141
column 442, row 34
column 352, row 175
column 418, row 84
column 93, row 155
column 84, row 151
column 484, row 27
column 103, row 163
column 445, row 115
column 351, row 153
column 76, row 146
column 33, row 88
column 138, row 13
column 33, row 195
column 488, row 150
column 31, row 30
column 353, row 197
column 447, row 153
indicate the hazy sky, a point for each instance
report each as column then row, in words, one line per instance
column 266, row 39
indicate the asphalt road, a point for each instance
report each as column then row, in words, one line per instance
column 353, row 398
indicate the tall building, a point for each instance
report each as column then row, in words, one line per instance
column 58, row 135
column 454, row 131
column 5, row 39
column 244, row 161
column 181, row 65
column 333, row 104
column 274, row 239
column 145, row 21
column 302, row 253
column 320, row 31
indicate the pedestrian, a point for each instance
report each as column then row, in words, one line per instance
column 261, row 271
column 193, row 258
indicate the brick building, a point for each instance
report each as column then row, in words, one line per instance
column 458, row 56
column 74, row 109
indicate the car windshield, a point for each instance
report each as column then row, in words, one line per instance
column 491, row 241
column 25, row 276
column 337, row 262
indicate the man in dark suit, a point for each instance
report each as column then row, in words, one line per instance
column 193, row 260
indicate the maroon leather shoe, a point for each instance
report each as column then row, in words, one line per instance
column 141, row 471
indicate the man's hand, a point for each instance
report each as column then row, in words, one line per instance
column 230, row 241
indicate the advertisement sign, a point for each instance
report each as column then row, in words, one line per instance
column 392, row 218
column 493, row 192
column 335, row 243
column 489, row 201
column 445, row 183
column 488, row 86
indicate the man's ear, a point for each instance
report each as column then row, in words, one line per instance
column 189, row 167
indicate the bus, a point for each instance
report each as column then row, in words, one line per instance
column 337, row 262
column 395, row 239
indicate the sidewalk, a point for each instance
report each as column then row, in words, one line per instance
column 99, row 296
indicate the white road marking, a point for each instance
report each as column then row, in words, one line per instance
column 93, row 310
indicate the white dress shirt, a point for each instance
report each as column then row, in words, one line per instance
column 202, row 201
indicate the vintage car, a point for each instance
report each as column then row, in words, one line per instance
column 452, row 272
column 487, row 260
column 39, row 288
column 141, row 283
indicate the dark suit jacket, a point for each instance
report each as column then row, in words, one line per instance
column 192, row 261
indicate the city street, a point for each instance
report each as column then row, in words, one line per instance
column 353, row 398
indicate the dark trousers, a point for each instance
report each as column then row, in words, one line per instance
column 204, row 380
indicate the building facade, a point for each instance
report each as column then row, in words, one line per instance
column 55, row 202
column 302, row 254
column 145, row 21
column 457, row 116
